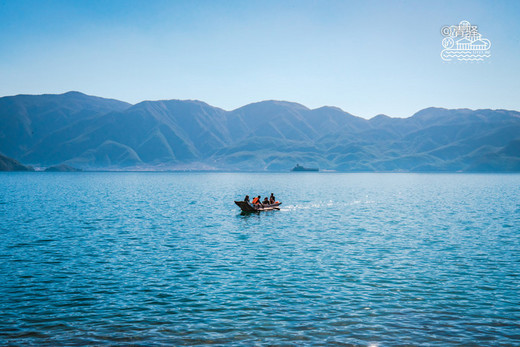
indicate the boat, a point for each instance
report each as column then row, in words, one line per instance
column 248, row 207
column 299, row 168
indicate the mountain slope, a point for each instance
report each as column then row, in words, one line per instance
column 90, row 132
column 162, row 132
column 27, row 119
column 10, row 164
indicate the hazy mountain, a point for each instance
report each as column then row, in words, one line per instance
column 91, row 132
column 10, row 164
column 27, row 119
column 161, row 132
column 62, row 168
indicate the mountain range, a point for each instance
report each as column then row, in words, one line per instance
column 10, row 164
column 90, row 133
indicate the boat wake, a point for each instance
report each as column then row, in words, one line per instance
column 324, row 204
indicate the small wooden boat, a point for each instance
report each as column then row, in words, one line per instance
column 248, row 207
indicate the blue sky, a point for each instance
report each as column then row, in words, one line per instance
column 367, row 57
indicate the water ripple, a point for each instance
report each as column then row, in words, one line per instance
column 350, row 259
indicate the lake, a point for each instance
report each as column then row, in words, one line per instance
column 168, row 259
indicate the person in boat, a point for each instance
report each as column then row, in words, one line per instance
column 272, row 199
column 266, row 201
column 246, row 199
column 256, row 201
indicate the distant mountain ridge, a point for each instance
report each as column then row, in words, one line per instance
column 89, row 132
column 10, row 164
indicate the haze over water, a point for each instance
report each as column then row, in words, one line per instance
column 167, row 258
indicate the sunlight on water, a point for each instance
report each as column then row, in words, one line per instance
column 168, row 259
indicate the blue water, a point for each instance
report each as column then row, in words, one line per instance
column 167, row 259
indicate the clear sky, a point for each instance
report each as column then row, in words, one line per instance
column 366, row 57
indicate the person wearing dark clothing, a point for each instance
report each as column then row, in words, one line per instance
column 266, row 201
column 272, row 199
column 246, row 199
